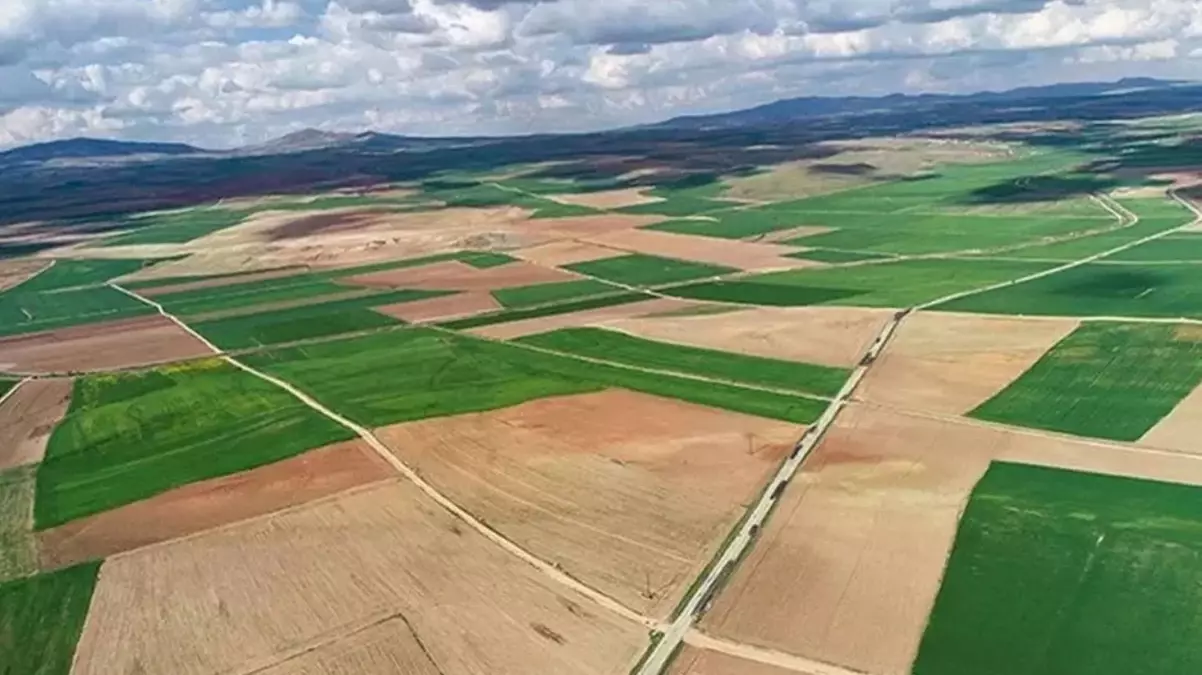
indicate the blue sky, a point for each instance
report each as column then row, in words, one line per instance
column 225, row 72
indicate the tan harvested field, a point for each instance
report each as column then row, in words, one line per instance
column 831, row 336
column 586, row 226
column 15, row 272
column 18, row 552
column 1180, row 429
column 446, row 307
column 608, row 199
column 27, row 418
column 590, row 317
column 253, row 596
column 387, row 647
column 458, row 276
column 221, row 281
column 570, row 252
column 333, row 221
column 738, row 254
column 694, row 661
column 110, row 345
column 952, row 363
column 630, row 493
column 213, row 503
column 847, row 570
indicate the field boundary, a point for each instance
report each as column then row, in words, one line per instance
column 770, row 657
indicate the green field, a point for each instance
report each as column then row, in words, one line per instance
column 483, row 260
column 1061, row 573
column 835, row 256
column 890, row 284
column 684, row 201
column 1105, row 380
column 647, row 270
column 176, row 228
column 741, row 223
column 599, row 343
column 542, row 294
column 75, row 273
column 520, row 314
column 250, row 294
column 7, row 385
column 1155, row 215
column 306, row 322
column 18, row 550
column 1170, row 248
column 131, row 436
column 483, row 195
column 41, row 619
column 22, row 312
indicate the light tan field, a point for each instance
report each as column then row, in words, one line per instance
column 387, row 647
column 793, row 233
column 17, row 271
column 590, row 317
column 18, row 551
column 213, row 503
column 110, row 345
column 445, row 307
column 587, row 226
column 608, row 199
column 27, row 418
column 738, row 254
column 952, row 363
column 307, row 583
column 457, row 276
column 221, row 281
column 847, row 570
column 627, row 492
column 830, row 336
column 1180, row 429
column 558, row 253
column 694, row 661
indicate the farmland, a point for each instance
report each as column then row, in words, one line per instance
column 543, row 294
column 41, row 619
column 646, row 270
column 570, row 307
column 181, row 227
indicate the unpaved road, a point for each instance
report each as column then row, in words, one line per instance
column 769, row 657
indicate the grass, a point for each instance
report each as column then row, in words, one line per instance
column 835, row 256
column 1155, row 215
column 542, row 294
column 1105, row 380
column 1061, row 573
column 22, row 312
column 609, row 345
column 128, row 437
column 521, row 314
column 1170, row 248
column 176, row 228
column 306, row 322
column 637, row 269
column 902, row 283
column 41, row 619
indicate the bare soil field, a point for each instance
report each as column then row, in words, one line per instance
column 559, row 253
column 586, row 226
column 256, row 595
column 608, row 199
column 1180, row 429
column 221, row 281
column 458, row 276
column 694, row 661
column 387, row 647
column 952, row 363
column 738, row 254
column 829, row 336
column 28, row 417
column 213, row 503
column 140, row 341
column 590, row 317
column 15, row 272
column 627, row 492
column 445, row 307
column 18, row 551
column 848, row 568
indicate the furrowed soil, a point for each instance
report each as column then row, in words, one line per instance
column 738, row 254
column 111, row 345
column 629, row 493
column 28, row 417
column 213, row 503
column 558, row 253
column 952, row 363
column 694, row 661
column 514, row 329
column 446, row 307
column 255, row 595
column 457, row 276
column 608, row 199
column 388, row 647
column 829, row 336
column 847, row 570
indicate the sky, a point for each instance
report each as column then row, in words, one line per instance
column 222, row 73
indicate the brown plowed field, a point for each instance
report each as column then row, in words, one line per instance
column 446, row 307
column 831, row 336
column 608, row 199
column 28, row 417
column 110, row 345
column 17, row 271
column 952, row 363
column 213, row 503
column 219, row 282
column 257, row 594
column 387, row 647
column 627, row 492
column 738, row 254
column 694, row 661
column 848, row 568
column 457, row 276
column 514, row 329
column 559, row 253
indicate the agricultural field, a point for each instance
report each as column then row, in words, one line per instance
column 41, row 619
column 176, row 228
column 101, row 346
column 645, row 270
column 546, row 294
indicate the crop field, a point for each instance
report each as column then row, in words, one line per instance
column 1155, row 215
column 18, row 551
column 106, row 345
column 889, row 284
column 1070, row 573
column 175, row 228
column 6, row 385
column 646, row 270
column 571, row 307
column 683, row 201
column 65, row 274
column 1105, row 380
column 41, row 619
column 131, row 436
column 738, row 223
column 250, row 294
column 22, row 312
column 1175, row 247
column 836, row 256
column 619, row 347
column 542, row 294
column 306, row 322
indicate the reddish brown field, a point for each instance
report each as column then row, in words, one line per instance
column 111, row 345
column 457, row 276
column 213, row 503
column 738, row 254
column 514, row 329
column 446, row 307
column 307, row 584
column 559, row 253
column 27, row 418
column 695, row 661
column 627, row 492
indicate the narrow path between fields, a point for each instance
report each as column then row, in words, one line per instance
column 769, row 657
column 12, row 392
column 382, row 450
column 31, row 277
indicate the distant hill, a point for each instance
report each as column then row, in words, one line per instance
column 307, row 140
column 85, row 148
